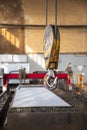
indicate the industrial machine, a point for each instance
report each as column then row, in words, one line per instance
column 35, row 107
column 51, row 55
column 51, row 46
column 51, row 50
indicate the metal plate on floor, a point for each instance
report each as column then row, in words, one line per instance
column 37, row 97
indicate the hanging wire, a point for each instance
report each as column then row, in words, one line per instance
column 55, row 17
column 46, row 12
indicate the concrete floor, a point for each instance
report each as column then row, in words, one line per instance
column 62, row 119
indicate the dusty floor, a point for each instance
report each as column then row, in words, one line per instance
column 77, row 97
column 73, row 118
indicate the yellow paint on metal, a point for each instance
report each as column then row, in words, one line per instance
column 51, row 47
column 53, row 53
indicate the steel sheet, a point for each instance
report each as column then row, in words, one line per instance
column 37, row 97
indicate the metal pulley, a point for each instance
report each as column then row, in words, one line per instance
column 51, row 47
column 51, row 50
column 51, row 55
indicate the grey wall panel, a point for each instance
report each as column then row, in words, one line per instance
column 19, row 58
column 36, row 62
column 5, row 58
column 14, row 67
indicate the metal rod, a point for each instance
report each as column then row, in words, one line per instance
column 46, row 12
column 55, row 12
column 55, row 17
column 39, row 26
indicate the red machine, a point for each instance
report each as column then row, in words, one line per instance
column 60, row 75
